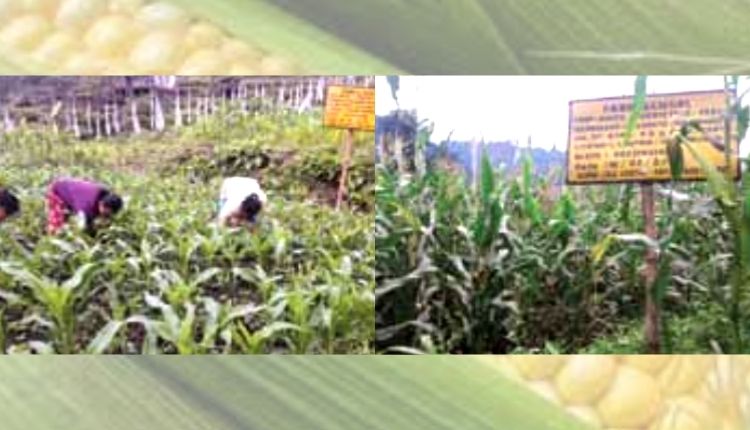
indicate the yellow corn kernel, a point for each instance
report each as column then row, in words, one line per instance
column 57, row 47
column 203, row 36
column 648, row 363
column 157, row 52
column 686, row 413
column 234, row 50
column 138, row 36
column 202, row 63
column 125, row 6
column 584, row 378
column 9, row 8
column 111, row 35
column 42, row 7
column 632, row 400
column 534, row 367
column 78, row 13
column 641, row 392
column 84, row 63
column 683, row 376
column 244, row 69
column 164, row 16
column 275, row 66
column 25, row 31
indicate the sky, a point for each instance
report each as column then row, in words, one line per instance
column 517, row 108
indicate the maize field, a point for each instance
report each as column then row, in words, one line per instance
column 162, row 278
column 514, row 262
column 562, row 274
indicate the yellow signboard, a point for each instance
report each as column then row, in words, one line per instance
column 351, row 108
column 597, row 152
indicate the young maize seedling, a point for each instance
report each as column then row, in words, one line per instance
column 60, row 300
column 645, row 392
column 186, row 37
column 254, row 343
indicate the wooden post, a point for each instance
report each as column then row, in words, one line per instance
column 652, row 325
column 347, row 158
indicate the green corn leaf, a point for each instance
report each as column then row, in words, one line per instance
column 81, row 277
column 448, row 36
column 743, row 119
column 540, row 36
column 206, row 276
column 600, row 248
column 495, row 218
column 746, row 198
column 241, row 312
column 286, row 392
column 639, row 101
column 676, row 158
column 2, row 331
column 487, row 174
column 628, row 194
column 530, row 202
column 722, row 190
column 172, row 321
column 638, row 238
column 25, row 276
column 663, row 279
column 185, row 342
column 103, row 339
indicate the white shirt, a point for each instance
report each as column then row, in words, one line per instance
column 234, row 191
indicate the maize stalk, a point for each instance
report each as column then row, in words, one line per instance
column 646, row 392
column 185, row 37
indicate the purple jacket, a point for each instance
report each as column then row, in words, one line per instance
column 79, row 195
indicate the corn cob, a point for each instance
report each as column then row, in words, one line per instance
column 641, row 392
column 148, row 37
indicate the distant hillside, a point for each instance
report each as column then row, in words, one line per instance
column 505, row 155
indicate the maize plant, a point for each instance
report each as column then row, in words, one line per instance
column 731, row 198
column 162, row 278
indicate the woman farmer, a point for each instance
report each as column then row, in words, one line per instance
column 9, row 204
column 240, row 202
column 87, row 200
